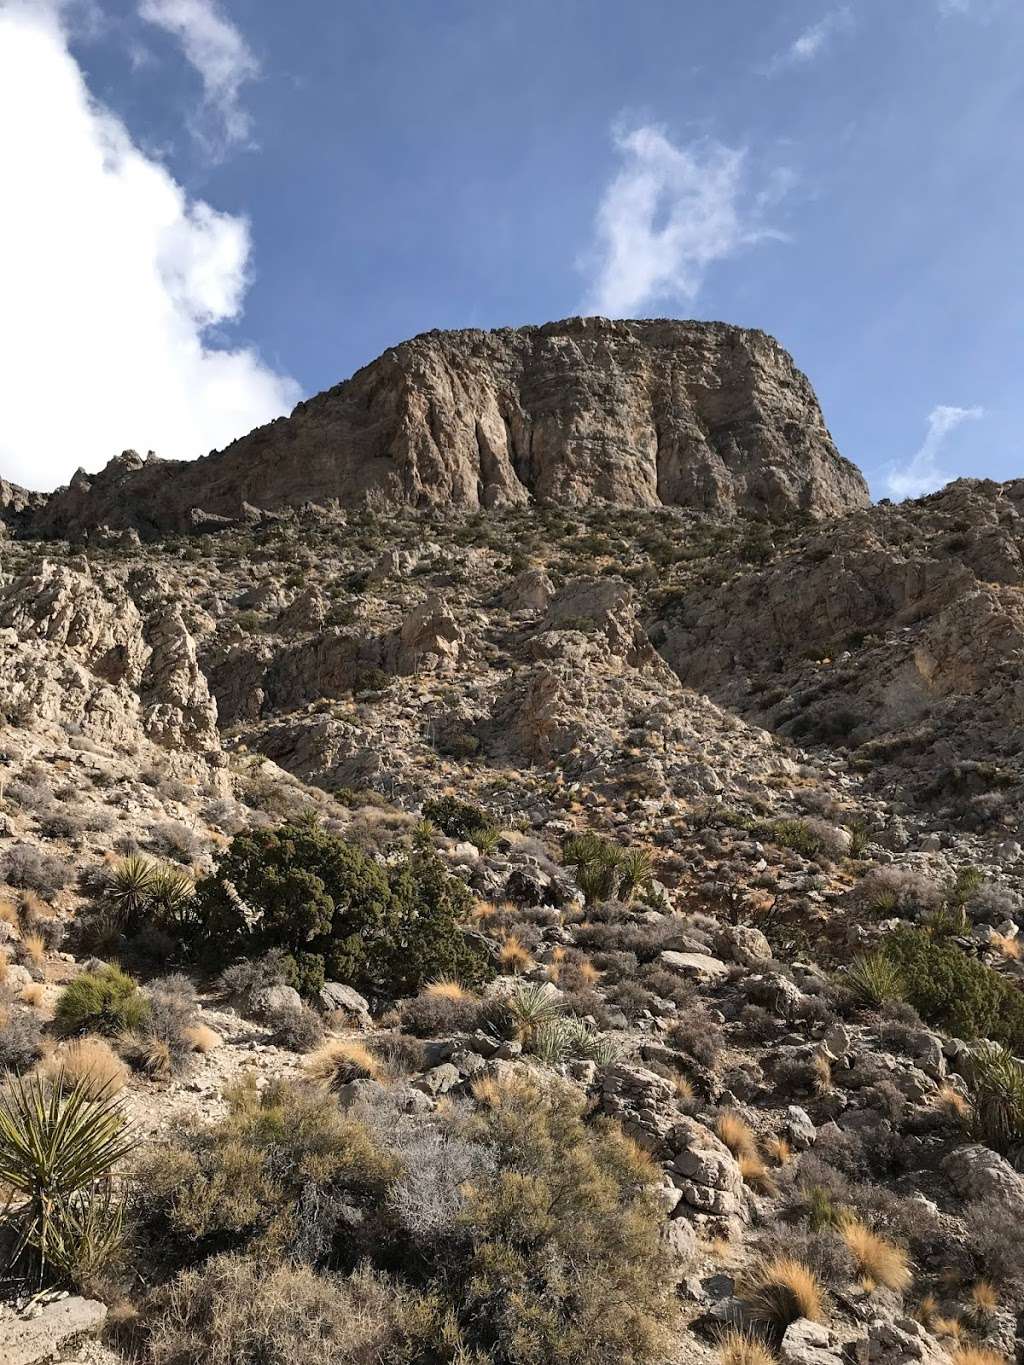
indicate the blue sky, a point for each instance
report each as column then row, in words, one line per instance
column 222, row 205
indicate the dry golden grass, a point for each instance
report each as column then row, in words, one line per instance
column 1005, row 946
column 927, row 1310
column 33, row 950
column 482, row 911
column 683, row 1087
column 9, row 913
column 822, row 1069
column 147, row 1054
column 878, row 1262
column 447, row 988
column 736, row 1133
column 489, row 1091
column 202, row 1038
column 780, row 1290
column 589, row 974
column 950, row 1328
column 33, row 907
column 514, row 956
column 740, row 1348
column 720, row 1248
column 950, row 1101
column 984, row 1298
column 342, row 1060
column 34, row 993
column 755, row 1173
column 5, row 967
column 976, row 1355
column 778, row 1150
column 89, row 1060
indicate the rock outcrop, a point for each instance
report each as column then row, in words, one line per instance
column 692, row 414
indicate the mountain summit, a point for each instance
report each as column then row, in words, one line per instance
column 691, row 414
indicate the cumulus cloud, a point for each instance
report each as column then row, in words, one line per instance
column 221, row 56
column 809, row 44
column 669, row 214
column 110, row 278
column 922, row 474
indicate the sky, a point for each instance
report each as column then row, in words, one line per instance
column 213, row 208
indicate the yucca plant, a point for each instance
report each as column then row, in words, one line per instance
column 636, row 872
column 130, row 886
column 583, row 1042
column 598, row 865
column 532, row 1006
column 171, row 898
column 58, row 1150
column 550, row 1042
column 997, row 1094
column 874, row 979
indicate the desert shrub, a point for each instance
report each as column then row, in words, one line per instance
column 895, row 890
column 299, row 1030
column 90, row 1063
column 106, row 1001
column 458, row 819
column 436, row 1016
column 954, row 991
column 333, row 911
column 736, row 1347
column 698, row 1034
column 21, row 1040
column 247, row 977
column 237, row 1311
column 566, row 1263
column 58, row 1151
column 33, row 870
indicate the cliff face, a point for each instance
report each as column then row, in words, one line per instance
column 691, row 414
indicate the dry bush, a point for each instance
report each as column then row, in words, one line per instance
column 90, row 1062
column 514, row 956
column 33, row 951
column 33, row 994
column 342, row 1060
column 446, row 988
column 779, row 1151
column 237, row 1311
column 779, row 1291
column 742, row 1348
column 878, row 1262
column 984, row 1299
column 152, row 1056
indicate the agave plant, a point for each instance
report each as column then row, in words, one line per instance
column 58, row 1151
column 997, row 1094
column 550, row 1042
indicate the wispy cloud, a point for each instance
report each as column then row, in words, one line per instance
column 922, row 474
column 954, row 6
column 223, row 59
column 670, row 213
column 114, row 285
column 813, row 41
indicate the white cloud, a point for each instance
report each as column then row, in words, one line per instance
column 222, row 58
column 922, row 473
column 809, row 44
column 666, row 216
column 109, row 276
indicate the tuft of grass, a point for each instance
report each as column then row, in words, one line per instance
column 755, row 1173
column 105, row 1001
column 780, row 1290
column 779, row 1151
column 33, row 951
column 736, row 1133
column 976, row 1355
column 949, row 1101
column 742, row 1348
column 514, row 956
column 342, row 1060
column 446, row 988
column 878, row 1262
column 202, row 1038
column 984, row 1299
column 90, row 1063
column 33, row 994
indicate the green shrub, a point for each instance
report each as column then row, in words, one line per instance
column 337, row 914
column 105, row 1001
column 458, row 819
column 954, row 991
column 874, row 979
column 58, row 1149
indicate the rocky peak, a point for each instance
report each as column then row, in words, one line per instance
column 691, row 414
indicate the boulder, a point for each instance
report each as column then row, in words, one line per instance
column 52, row 1332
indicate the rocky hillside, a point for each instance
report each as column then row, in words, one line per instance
column 566, row 931
column 637, row 414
